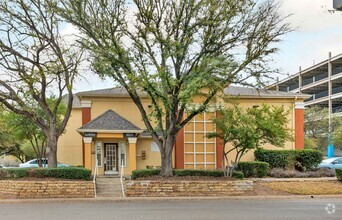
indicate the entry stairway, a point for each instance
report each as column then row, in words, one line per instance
column 108, row 186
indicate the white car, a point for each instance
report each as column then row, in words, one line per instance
column 34, row 163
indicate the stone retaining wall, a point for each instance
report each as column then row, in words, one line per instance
column 186, row 188
column 46, row 189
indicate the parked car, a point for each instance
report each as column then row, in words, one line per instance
column 331, row 163
column 34, row 163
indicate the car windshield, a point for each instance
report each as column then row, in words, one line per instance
column 328, row 160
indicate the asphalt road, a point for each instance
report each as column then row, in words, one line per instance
column 172, row 209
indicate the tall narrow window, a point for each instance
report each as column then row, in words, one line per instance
column 99, row 153
column 123, row 154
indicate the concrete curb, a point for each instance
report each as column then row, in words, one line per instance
column 139, row 199
column 320, row 179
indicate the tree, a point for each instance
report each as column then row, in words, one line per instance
column 248, row 129
column 36, row 63
column 317, row 127
column 174, row 51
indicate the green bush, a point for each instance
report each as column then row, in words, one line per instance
column 276, row 158
column 58, row 172
column 302, row 160
column 144, row 173
column 339, row 174
column 253, row 168
column 154, row 172
column 308, row 159
column 238, row 174
column 214, row 173
column 16, row 173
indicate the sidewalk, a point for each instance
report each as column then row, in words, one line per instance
column 139, row 199
column 314, row 179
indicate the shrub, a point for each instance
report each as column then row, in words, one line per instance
column 144, row 173
column 59, row 172
column 339, row 174
column 281, row 173
column 276, row 158
column 309, row 159
column 302, row 160
column 154, row 172
column 214, row 173
column 16, row 173
column 238, row 175
column 253, row 168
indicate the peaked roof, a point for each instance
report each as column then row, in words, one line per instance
column 231, row 90
column 252, row 92
column 109, row 121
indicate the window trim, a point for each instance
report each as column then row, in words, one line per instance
column 101, row 148
column 125, row 160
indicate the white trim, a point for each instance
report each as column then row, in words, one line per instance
column 86, row 104
column 299, row 105
column 87, row 140
column 132, row 140
column 109, row 131
column 125, row 147
column 102, row 157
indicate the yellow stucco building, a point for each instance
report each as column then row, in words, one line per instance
column 106, row 127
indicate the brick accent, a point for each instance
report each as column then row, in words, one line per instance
column 46, row 189
column 299, row 126
column 186, row 188
column 179, row 150
column 219, row 148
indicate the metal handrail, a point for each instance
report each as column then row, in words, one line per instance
column 94, row 178
column 121, row 180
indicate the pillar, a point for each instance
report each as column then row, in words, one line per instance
column 87, row 152
column 179, row 150
column 132, row 153
column 219, row 147
column 86, row 117
column 299, row 125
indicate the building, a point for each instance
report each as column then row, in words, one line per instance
column 323, row 81
column 106, row 126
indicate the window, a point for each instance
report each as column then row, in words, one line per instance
column 99, row 153
column 122, row 154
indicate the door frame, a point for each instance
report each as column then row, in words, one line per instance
column 116, row 171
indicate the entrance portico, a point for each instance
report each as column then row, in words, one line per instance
column 110, row 141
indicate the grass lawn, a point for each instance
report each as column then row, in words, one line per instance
column 306, row 187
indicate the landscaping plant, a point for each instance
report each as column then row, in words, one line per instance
column 248, row 129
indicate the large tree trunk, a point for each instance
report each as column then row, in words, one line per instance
column 52, row 149
column 166, row 156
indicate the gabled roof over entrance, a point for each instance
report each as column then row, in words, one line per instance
column 109, row 121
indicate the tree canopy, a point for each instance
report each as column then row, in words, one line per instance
column 172, row 51
column 37, row 63
column 248, row 129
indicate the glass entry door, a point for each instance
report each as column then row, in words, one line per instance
column 111, row 159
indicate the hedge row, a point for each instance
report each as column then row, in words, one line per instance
column 58, row 172
column 253, row 168
column 301, row 160
column 339, row 174
column 155, row 172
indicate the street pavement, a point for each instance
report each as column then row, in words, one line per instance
column 174, row 209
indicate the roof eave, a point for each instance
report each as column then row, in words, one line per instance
column 109, row 131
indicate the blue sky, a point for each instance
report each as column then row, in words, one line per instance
column 318, row 32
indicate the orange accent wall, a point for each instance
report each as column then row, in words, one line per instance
column 219, row 148
column 179, row 150
column 299, row 129
column 86, row 117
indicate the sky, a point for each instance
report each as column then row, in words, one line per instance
column 317, row 32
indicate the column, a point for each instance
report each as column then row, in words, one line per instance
column 86, row 117
column 87, row 152
column 132, row 153
column 299, row 125
column 330, row 149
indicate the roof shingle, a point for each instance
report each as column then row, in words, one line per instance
column 110, row 120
